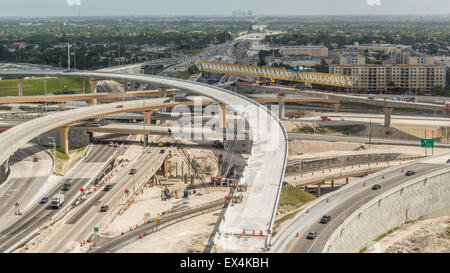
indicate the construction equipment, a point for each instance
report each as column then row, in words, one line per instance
column 277, row 74
column 190, row 161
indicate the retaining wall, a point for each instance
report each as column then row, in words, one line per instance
column 409, row 201
column 338, row 161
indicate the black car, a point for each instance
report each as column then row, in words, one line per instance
column 167, row 101
column 35, row 159
column 133, row 171
column 311, row 235
column 162, row 151
column 408, row 173
column 376, row 187
column 44, row 200
column 448, row 160
column 108, row 187
column 325, row 219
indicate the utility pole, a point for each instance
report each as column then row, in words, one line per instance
column 54, row 147
column 45, row 94
column 68, row 56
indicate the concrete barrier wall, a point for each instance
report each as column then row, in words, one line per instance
column 338, row 161
column 413, row 199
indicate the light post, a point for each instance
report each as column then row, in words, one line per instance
column 45, row 94
column 54, row 147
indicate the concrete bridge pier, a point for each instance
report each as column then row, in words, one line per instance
column 336, row 107
column 62, row 106
column 282, row 106
column 387, row 116
column 222, row 115
column 19, row 86
column 162, row 92
column 64, row 139
column 93, row 85
column 148, row 117
column 165, row 167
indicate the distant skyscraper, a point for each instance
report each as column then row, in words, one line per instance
column 249, row 12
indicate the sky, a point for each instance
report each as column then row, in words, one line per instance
column 220, row 7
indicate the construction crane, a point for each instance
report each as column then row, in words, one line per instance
column 272, row 73
column 190, row 161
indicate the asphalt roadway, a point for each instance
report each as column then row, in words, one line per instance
column 41, row 213
column 352, row 198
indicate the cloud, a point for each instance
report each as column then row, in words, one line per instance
column 73, row 2
column 373, row 2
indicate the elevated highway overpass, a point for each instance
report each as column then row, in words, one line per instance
column 263, row 174
column 386, row 104
column 353, row 225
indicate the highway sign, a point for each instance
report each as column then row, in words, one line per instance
column 95, row 229
column 158, row 221
column 427, row 143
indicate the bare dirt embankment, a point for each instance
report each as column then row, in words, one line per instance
column 431, row 234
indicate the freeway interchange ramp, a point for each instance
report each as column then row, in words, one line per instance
column 263, row 174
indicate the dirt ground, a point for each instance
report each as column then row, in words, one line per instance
column 184, row 237
column 431, row 234
column 303, row 149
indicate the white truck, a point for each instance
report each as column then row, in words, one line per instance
column 57, row 200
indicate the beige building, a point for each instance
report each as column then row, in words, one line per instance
column 350, row 58
column 371, row 77
column 409, row 58
column 314, row 51
column 387, row 48
column 420, row 77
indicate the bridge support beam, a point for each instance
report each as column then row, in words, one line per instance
column 19, row 86
column 282, row 106
column 148, row 117
column 93, row 85
column 162, row 92
column 222, row 115
column 64, row 139
column 336, row 107
column 387, row 116
column 62, row 106
column 165, row 167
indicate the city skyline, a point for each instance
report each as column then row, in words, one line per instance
column 217, row 7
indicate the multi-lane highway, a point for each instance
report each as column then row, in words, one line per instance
column 342, row 204
column 80, row 225
column 30, row 168
column 40, row 214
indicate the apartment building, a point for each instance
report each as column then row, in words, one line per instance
column 371, row 77
column 349, row 58
column 314, row 51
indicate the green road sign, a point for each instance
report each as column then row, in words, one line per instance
column 96, row 229
column 427, row 143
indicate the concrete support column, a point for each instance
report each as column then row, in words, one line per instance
column 332, row 184
column 346, row 180
column 148, row 117
column 162, row 92
column 318, row 190
column 165, row 167
column 336, row 107
column 93, row 85
column 19, row 86
column 62, row 106
column 222, row 115
column 387, row 116
column 306, row 188
column 64, row 139
column 125, row 85
column 133, row 86
column 282, row 107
